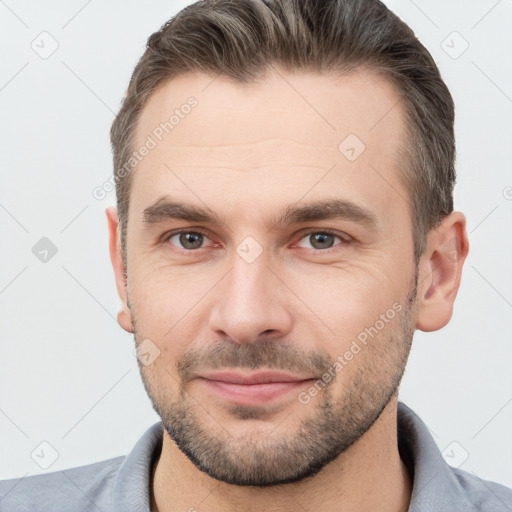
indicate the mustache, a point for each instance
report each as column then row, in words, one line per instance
column 259, row 354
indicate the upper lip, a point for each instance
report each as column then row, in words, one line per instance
column 261, row 377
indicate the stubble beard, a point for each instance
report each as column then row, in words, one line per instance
column 259, row 458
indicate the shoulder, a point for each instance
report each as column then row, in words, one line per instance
column 484, row 495
column 438, row 485
column 121, row 483
column 81, row 488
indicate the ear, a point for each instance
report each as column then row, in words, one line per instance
column 440, row 270
column 124, row 317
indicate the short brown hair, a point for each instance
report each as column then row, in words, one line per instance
column 240, row 39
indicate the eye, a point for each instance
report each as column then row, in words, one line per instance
column 188, row 240
column 321, row 240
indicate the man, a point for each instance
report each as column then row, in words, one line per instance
column 284, row 223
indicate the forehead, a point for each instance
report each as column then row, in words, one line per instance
column 273, row 141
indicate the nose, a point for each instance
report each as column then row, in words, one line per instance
column 250, row 303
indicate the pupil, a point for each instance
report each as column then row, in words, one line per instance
column 191, row 240
column 321, row 239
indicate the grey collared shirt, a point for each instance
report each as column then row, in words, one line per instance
column 123, row 484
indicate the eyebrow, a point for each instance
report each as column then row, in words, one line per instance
column 166, row 209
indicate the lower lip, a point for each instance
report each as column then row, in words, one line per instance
column 253, row 394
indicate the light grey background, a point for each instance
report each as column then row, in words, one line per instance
column 68, row 374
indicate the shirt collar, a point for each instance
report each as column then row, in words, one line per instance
column 435, row 484
column 132, row 486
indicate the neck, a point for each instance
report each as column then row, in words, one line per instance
column 368, row 476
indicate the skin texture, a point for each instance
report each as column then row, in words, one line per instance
column 247, row 152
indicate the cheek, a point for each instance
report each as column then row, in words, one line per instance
column 163, row 292
column 359, row 308
column 166, row 304
column 350, row 296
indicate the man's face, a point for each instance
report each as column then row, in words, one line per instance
column 327, row 302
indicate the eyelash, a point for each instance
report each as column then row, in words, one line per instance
column 168, row 236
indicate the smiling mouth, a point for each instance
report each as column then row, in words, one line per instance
column 257, row 388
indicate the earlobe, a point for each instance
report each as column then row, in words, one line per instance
column 440, row 272
column 124, row 317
